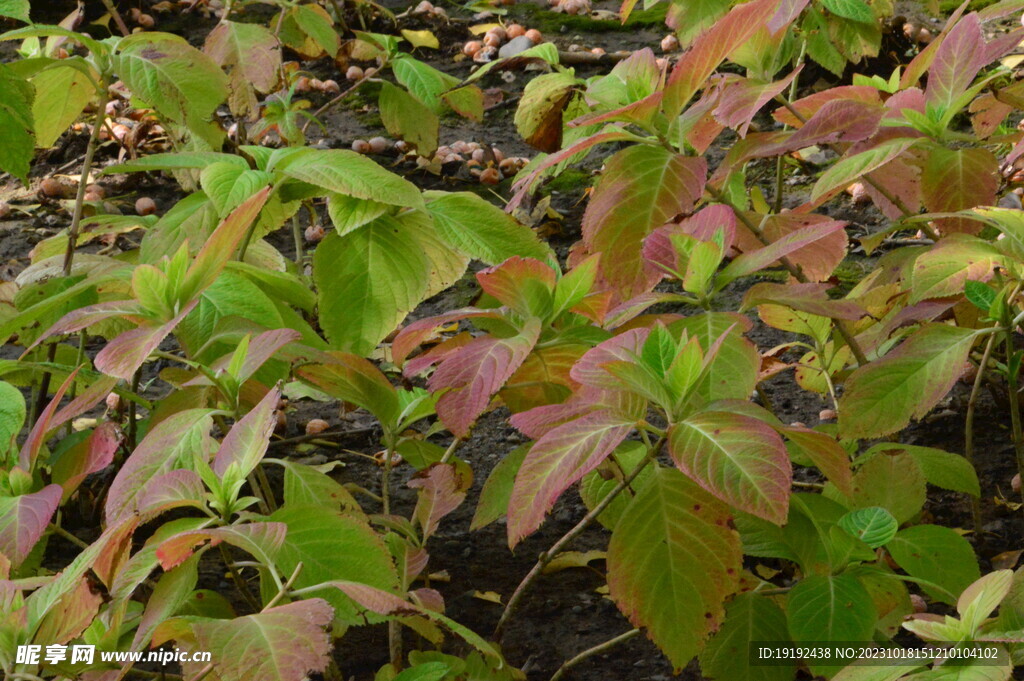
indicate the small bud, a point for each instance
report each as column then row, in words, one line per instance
column 113, row 401
column 361, row 146
column 314, row 233
column 316, row 426
column 826, row 414
column 354, row 73
column 145, row 206
column 918, row 603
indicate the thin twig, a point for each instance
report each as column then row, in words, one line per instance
column 969, row 428
column 326, row 435
column 337, row 99
column 590, row 652
column 121, row 26
column 240, row 584
column 283, row 591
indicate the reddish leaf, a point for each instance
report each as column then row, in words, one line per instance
column 739, row 459
column 842, row 120
column 421, row 330
column 76, row 320
column 812, row 298
column 247, row 441
column 825, row 452
column 808, row 106
column 702, row 225
column 123, row 356
column 523, row 284
column 474, row 374
column 173, row 489
column 34, row 443
column 262, row 540
column 286, row 643
column 443, row 488
column 23, row 520
column 262, row 349
column 956, row 179
column 788, row 11
column 709, row 50
column 85, row 401
column 557, row 460
column 71, row 615
column 642, row 188
column 783, row 247
column 957, row 61
column 624, row 347
column 987, row 113
column 91, row 455
column 743, row 99
column 540, row 420
column 543, row 377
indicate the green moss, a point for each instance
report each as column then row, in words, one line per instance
column 547, row 21
column 948, row 6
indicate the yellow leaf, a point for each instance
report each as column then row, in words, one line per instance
column 480, row 29
column 421, row 38
column 573, row 559
column 490, row 596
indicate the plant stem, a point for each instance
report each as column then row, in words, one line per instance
column 326, row 435
column 337, row 99
column 583, row 524
column 448, row 453
column 132, row 411
column 268, row 491
column 1011, row 389
column 283, row 591
column 297, row 236
column 797, row 273
column 590, row 652
column 61, row 532
column 121, row 26
column 969, row 428
column 240, row 584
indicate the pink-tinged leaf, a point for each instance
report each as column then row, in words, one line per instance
column 34, row 443
column 353, row 379
column 473, row 375
column 901, row 178
column 390, row 605
column 825, row 453
column 957, row 61
column 739, row 459
column 702, row 225
column 883, row 396
column 123, row 356
column 742, row 100
column 639, row 112
column 1002, row 45
column 85, row 401
column 624, row 347
column 76, row 320
column 222, row 244
column 184, row 434
column 808, row 106
column 987, row 113
column 749, row 263
column 23, row 520
column 247, row 441
column 170, row 593
column 699, row 122
column 91, row 455
column 524, row 284
column 673, row 560
column 643, row 187
column 437, row 354
column 71, row 615
column 957, row 179
column 919, row 64
column 173, row 489
column 538, row 421
column 442, row 488
column 285, row 643
column 787, row 13
column 709, row 50
column 911, row 98
column 945, row 268
column 262, row 349
column 261, row 540
column 409, row 338
column 624, row 313
column 556, row 461
column 522, row 187
column 843, row 120
column 812, row 298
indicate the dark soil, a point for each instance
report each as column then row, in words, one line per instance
column 564, row 614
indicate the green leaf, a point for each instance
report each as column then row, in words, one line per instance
column 307, row 485
column 349, row 213
column 406, row 117
column 334, row 546
column 595, row 487
column 940, row 468
column 428, row 671
column 354, row 379
column 981, row 598
column 61, row 95
column 481, row 230
column 672, row 561
column 228, row 184
column 748, row 618
column 874, row 526
column 893, row 481
column 854, row 10
column 12, row 416
column 496, row 492
column 368, row 281
column 178, row 160
column 883, row 397
column 944, row 270
column 316, row 23
column 733, row 373
column 349, row 173
column 830, row 608
column 16, row 124
column 849, row 168
column 980, row 294
column 425, row 82
column 175, row 78
column 16, row 9
column 937, row 555
column 538, row 117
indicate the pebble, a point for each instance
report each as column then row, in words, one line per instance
column 1011, row 200
column 515, row 46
